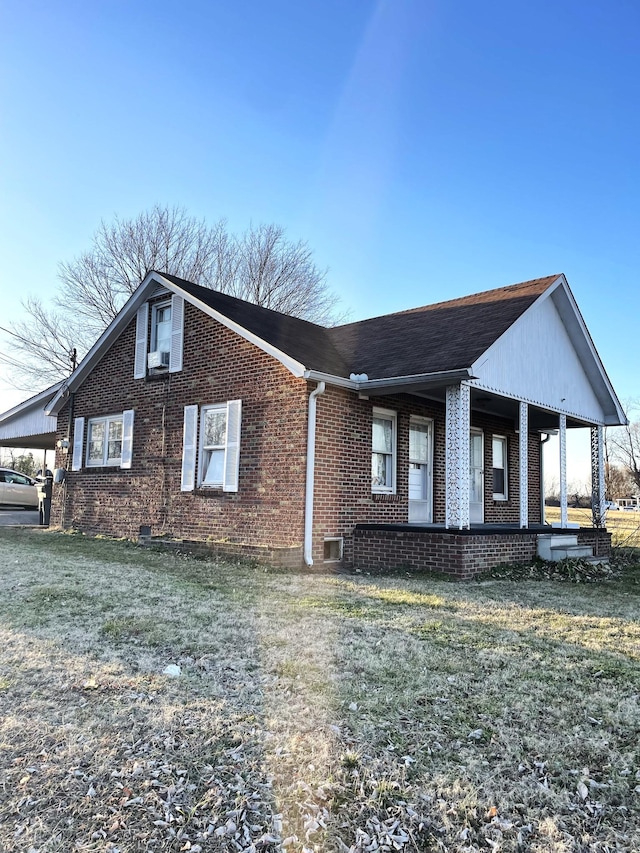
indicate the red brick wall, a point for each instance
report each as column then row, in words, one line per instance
column 457, row 554
column 460, row 555
column 598, row 540
column 343, row 496
column 267, row 512
column 218, row 365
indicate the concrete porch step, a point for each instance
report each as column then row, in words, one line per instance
column 573, row 552
column 562, row 546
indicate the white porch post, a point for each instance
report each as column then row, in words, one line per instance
column 598, row 510
column 564, row 517
column 458, row 424
column 524, row 465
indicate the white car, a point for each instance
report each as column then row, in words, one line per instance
column 611, row 505
column 17, row 489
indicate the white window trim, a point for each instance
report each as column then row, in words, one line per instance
column 146, row 337
column 192, row 450
column 340, row 541
column 391, row 415
column 104, row 462
column 428, row 422
column 157, row 306
column 501, row 496
column 215, row 407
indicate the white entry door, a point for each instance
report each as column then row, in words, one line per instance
column 476, row 477
column 420, row 471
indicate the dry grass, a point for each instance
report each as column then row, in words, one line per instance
column 314, row 712
column 624, row 526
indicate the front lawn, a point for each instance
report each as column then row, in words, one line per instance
column 312, row 712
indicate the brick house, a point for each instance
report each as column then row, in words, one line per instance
column 394, row 441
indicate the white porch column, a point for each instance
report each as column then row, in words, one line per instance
column 564, row 516
column 524, row 465
column 458, row 424
column 598, row 510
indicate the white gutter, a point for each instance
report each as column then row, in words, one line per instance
column 360, row 382
column 311, row 465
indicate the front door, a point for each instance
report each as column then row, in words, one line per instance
column 476, row 477
column 420, row 456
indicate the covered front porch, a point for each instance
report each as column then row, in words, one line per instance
column 465, row 466
column 489, row 504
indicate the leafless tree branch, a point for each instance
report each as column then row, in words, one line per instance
column 260, row 266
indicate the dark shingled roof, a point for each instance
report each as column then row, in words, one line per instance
column 306, row 342
column 444, row 336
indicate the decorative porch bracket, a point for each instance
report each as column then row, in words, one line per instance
column 564, row 516
column 524, row 465
column 458, row 424
column 598, row 510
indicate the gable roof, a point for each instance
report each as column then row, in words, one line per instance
column 307, row 343
column 28, row 424
column 427, row 347
column 434, row 338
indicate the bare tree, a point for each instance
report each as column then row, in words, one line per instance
column 282, row 275
column 623, row 445
column 260, row 266
column 18, row 460
column 616, row 481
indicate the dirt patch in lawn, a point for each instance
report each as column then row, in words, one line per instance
column 310, row 712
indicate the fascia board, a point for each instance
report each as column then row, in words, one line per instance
column 331, row 379
column 115, row 328
column 294, row 366
column 442, row 377
column 561, row 283
column 576, row 317
column 32, row 403
column 389, row 383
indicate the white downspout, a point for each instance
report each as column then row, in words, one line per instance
column 311, row 466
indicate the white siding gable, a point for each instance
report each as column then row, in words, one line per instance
column 535, row 361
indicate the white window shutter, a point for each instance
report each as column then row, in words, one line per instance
column 78, row 440
column 232, row 450
column 140, row 358
column 177, row 321
column 127, row 438
column 189, row 448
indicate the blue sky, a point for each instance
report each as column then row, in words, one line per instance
column 425, row 149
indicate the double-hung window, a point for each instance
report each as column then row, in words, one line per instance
column 211, row 446
column 213, row 432
column 104, row 441
column 383, row 451
column 499, row 453
column 109, row 441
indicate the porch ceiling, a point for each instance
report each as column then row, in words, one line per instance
column 488, row 404
column 45, row 441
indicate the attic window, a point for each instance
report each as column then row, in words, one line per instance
column 161, row 329
column 158, row 347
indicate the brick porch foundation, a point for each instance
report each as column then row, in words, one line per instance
column 460, row 553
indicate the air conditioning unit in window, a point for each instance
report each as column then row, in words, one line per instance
column 158, row 359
